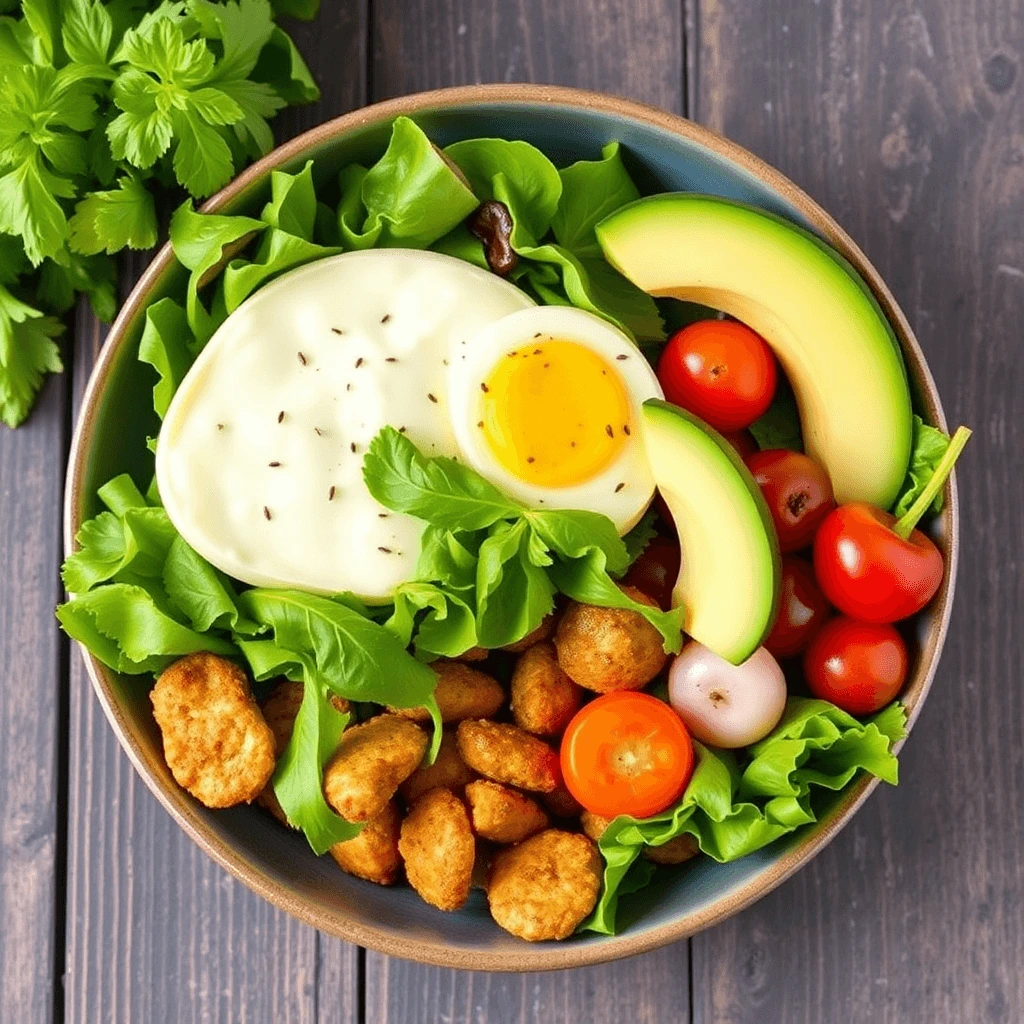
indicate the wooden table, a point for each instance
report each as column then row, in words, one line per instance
column 905, row 119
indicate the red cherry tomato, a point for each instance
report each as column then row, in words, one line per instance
column 802, row 609
column 655, row 571
column 868, row 571
column 626, row 753
column 798, row 493
column 858, row 666
column 719, row 370
column 743, row 441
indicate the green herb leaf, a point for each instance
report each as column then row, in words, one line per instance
column 202, row 593
column 732, row 813
column 306, row 10
column 449, row 627
column 87, row 31
column 574, row 533
column 928, row 447
column 445, row 559
column 59, row 284
column 586, row 580
column 282, row 68
column 638, row 538
column 27, row 352
column 441, row 491
column 124, row 217
column 122, row 625
column 779, row 427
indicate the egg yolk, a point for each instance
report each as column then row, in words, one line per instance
column 555, row 413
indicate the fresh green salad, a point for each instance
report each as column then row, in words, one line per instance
column 413, row 420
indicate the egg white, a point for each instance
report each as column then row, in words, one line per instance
column 475, row 361
column 259, row 460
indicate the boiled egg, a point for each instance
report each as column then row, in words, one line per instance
column 259, row 460
column 545, row 403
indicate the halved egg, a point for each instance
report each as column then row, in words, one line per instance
column 545, row 403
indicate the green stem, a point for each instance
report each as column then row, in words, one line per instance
column 905, row 524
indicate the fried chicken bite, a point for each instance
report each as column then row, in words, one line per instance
column 675, row 851
column 606, row 649
column 594, row 825
column 506, row 754
column 448, row 771
column 544, row 698
column 542, row 632
column 544, row 887
column 280, row 710
column 216, row 742
column 373, row 854
column 561, row 803
column 473, row 654
column 439, row 849
column 371, row 762
column 462, row 692
column 503, row 815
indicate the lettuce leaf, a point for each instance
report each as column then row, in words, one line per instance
column 733, row 810
column 929, row 445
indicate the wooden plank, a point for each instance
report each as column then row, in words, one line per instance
column 31, row 483
column 905, row 121
column 156, row 931
column 633, row 49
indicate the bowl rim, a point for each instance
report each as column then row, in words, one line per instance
column 543, row 956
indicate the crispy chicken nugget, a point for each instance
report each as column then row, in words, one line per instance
column 449, row 771
column 544, row 698
column 373, row 854
column 474, row 654
column 280, row 709
column 506, row 754
column 216, row 742
column 606, row 649
column 462, row 692
column 503, row 815
column 544, row 887
column 594, row 824
column 371, row 762
column 542, row 632
column 439, row 849
column 675, row 851
column 561, row 803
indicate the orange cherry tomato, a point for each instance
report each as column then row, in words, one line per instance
column 627, row 753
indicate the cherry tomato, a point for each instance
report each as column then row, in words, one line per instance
column 721, row 371
column 626, row 753
column 868, row 571
column 858, row 666
column 798, row 493
column 655, row 571
column 802, row 609
column 743, row 441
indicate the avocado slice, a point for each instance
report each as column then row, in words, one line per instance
column 819, row 317
column 729, row 579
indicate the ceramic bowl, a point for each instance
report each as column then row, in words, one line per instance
column 665, row 153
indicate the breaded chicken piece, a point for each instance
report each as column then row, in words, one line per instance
column 544, row 698
column 371, row 762
column 561, row 803
column 473, row 654
column 594, row 825
column 542, row 632
column 216, row 742
column 606, row 649
column 373, row 854
column 439, row 849
column 448, row 771
column 543, row 888
column 503, row 815
column 506, row 754
column 675, row 851
column 462, row 692
column 280, row 710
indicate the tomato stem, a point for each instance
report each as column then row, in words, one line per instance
column 905, row 524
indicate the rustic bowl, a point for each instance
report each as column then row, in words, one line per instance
column 665, row 153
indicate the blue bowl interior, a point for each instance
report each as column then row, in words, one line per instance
column 660, row 162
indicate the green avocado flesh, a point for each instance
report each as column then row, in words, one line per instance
column 818, row 316
column 728, row 582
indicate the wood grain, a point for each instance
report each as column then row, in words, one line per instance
column 634, row 49
column 906, row 120
column 31, row 484
column 156, row 931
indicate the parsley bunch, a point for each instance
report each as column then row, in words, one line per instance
column 112, row 111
